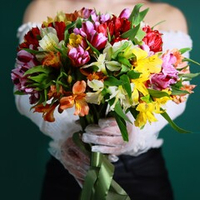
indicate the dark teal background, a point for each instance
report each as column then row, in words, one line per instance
column 23, row 149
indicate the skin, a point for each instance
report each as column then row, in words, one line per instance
column 174, row 20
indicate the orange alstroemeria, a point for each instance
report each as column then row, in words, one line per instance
column 53, row 92
column 77, row 98
column 52, row 59
column 47, row 111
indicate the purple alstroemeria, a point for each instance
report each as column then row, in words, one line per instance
column 168, row 65
column 125, row 13
column 161, row 81
column 98, row 40
column 24, row 61
column 79, row 56
column 168, row 75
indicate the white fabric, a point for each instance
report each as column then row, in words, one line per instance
column 65, row 125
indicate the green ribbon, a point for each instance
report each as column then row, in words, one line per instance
column 99, row 183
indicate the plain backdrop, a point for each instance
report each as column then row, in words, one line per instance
column 23, row 148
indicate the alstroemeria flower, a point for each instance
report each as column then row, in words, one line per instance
column 100, row 64
column 146, row 64
column 96, row 96
column 49, row 39
column 125, row 13
column 24, row 61
column 79, row 56
column 88, row 31
column 52, row 59
column 120, row 95
column 146, row 113
column 153, row 39
column 183, row 97
column 47, row 110
column 31, row 39
column 77, row 98
column 76, row 40
column 168, row 75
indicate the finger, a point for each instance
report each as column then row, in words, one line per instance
column 103, row 140
column 107, row 122
column 108, row 150
column 110, row 130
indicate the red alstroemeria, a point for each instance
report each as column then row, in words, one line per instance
column 116, row 27
column 77, row 98
column 60, row 29
column 153, row 39
column 31, row 39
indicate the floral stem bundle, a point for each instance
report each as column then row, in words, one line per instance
column 103, row 65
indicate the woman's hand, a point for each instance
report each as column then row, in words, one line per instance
column 74, row 160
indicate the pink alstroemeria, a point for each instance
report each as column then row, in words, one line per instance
column 88, row 31
column 161, row 81
column 125, row 13
column 77, row 98
column 169, row 73
column 24, row 61
column 79, row 56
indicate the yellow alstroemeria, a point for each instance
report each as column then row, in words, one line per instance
column 146, row 64
column 75, row 40
column 146, row 113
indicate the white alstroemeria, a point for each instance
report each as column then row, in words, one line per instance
column 95, row 84
column 100, row 63
column 113, row 65
column 49, row 39
column 120, row 95
column 95, row 97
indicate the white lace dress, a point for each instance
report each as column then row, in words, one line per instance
column 65, row 124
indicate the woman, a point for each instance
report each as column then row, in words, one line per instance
column 140, row 169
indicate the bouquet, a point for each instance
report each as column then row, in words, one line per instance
column 103, row 65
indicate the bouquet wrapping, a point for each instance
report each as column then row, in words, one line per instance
column 105, row 66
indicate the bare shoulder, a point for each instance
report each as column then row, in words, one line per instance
column 38, row 10
column 173, row 17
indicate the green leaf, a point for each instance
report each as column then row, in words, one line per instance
column 183, row 50
column 157, row 93
column 131, row 33
column 189, row 76
column 18, row 92
column 124, row 61
column 173, row 125
column 190, row 60
column 39, row 78
column 124, row 46
column 133, row 74
column 95, row 51
column 136, row 16
column 112, row 81
column 126, row 84
column 38, row 69
column 120, row 112
column 122, row 126
column 177, row 91
column 34, row 51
